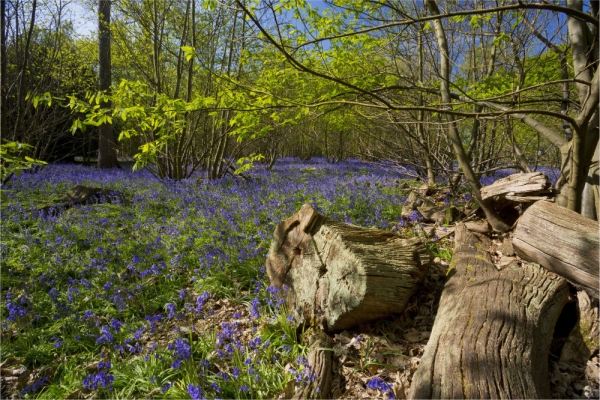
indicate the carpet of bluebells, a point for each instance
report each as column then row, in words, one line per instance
column 108, row 300
column 165, row 295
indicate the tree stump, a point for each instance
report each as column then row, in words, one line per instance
column 560, row 240
column 492, row 333
column 82, row 194
column 339, row 275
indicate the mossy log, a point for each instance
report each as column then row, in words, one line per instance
column 339, row 275
column 560, row 240
column 492, row 332
column 82, row 194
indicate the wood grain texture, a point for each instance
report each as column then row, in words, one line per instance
column 320, row 360
column 340, row 275
column 561, row 241
column 492, row 332
column 516, row 184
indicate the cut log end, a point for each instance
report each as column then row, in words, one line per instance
column 340, row 275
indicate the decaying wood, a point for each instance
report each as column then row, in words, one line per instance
column 493, row 329
column 440, row 214
column 82, row 194
column 517, row 186
column 479, row 227
column 320, row 360
column 415, row 199
column 339, row 275
column 560, row 240
column 583, row 339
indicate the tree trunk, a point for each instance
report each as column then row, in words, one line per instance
column 492, row 333
column 3, row 65
column 107, row 152
column 561, row 241
column 492, row 216
column 340, row 275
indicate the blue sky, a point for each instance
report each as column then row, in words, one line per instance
column 85, row 21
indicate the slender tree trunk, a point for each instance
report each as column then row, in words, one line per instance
column 3, row 63
column 491, row 214
column 23, row 74
column 107, row 151
column 420, row 117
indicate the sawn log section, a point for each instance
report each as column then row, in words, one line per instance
column 492, row 332
column 339, row 275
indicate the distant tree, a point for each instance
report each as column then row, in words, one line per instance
column 107, row 151
column 3, row 65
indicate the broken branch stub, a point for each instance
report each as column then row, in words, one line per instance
column 340, row 275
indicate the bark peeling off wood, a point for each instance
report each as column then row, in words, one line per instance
column 340, row 275
column 493, row 329
column 560, row 240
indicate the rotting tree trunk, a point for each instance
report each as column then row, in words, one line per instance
column 561, row 241
column 492, row 333
column 340, row 275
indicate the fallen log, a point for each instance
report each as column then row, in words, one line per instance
column 492, row 332
column 561, row 241
column 340, row 275
column 517, row 186
column 82, row 194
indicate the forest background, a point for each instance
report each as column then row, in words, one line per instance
column 163, row 292
column 446, row 93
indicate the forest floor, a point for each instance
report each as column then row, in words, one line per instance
column 165, row 296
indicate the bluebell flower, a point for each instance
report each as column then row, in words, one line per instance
column 182, row 351
column 101, row 379
column 166, row 387
column 104, row 365
column 171, row 309
column 244, row 389
column 223, row 375
column 376, row 383
column 254, row 308
column 106, row 336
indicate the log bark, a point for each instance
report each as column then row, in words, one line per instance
column 492, row 333
column 561, row 241
column 339, row 275
column 515, row 187
column 320, row 360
